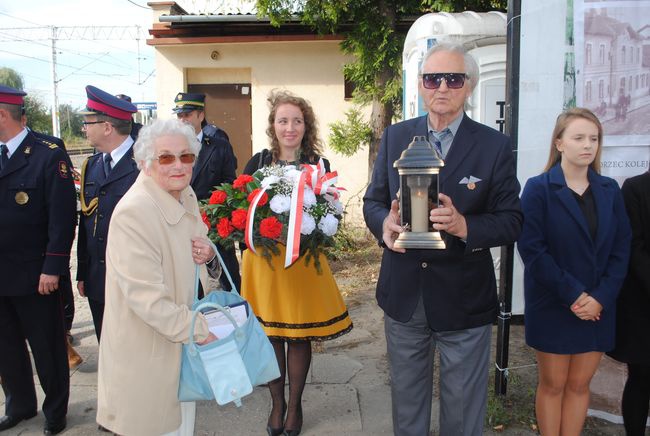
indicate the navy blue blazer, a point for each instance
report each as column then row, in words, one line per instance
column 93, row 228
column 457, row 284
column 37, row 216
column 562, row 260
column 215, row 164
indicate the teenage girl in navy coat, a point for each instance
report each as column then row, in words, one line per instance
column 575, row 245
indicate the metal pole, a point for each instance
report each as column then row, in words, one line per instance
column 507, row 252
column 55, row 100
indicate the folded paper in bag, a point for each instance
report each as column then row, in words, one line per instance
column 220, row 325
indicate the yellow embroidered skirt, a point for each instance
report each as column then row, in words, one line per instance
column 295, row 303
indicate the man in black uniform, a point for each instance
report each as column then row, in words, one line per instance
column 65, row 281
column 105, row 178
column 37, row 215
column 135, row 126
column 216, row 164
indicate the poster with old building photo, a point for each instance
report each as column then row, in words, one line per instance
column 612, row 69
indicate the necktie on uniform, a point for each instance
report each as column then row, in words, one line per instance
column 4, row 156
column 107, row 164
column 438, row 138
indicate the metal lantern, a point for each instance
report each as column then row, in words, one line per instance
column 418, row 168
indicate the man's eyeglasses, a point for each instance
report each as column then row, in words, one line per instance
column 434, row 80
column 85, row 123
column 168, row 158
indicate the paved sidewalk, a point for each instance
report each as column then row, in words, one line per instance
column 347, row 391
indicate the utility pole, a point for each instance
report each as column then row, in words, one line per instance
column 56, row 131
column 87, row 33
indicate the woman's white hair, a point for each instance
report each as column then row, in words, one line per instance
column 144, row 149
column 471, row 67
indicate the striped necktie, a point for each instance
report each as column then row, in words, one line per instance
column 107, row 164
column 4, row 156
column 438, row 138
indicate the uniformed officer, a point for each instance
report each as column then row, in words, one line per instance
column 135, row 126
column 105, row 178
column 37, row 218
column 65, row 281
column 216, row 164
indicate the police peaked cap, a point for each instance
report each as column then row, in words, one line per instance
column 187, row 102
column 9, row 95
column 103, row 103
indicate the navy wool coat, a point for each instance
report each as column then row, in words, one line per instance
column 562, row 260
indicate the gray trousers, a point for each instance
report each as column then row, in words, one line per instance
column 464, row 365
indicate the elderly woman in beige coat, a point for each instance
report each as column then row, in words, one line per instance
column 156, row 238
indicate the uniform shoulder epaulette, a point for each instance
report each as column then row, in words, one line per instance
column 48, row 144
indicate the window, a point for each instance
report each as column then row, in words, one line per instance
column 588, row 91
column 638, row 55
column 636, row 82
column 601, row 54
column 629, row 84
column 623, row 54
column 601, row 89
column 588, row 55
column 631, row 54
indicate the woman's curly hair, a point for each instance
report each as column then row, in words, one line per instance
column 311, row 146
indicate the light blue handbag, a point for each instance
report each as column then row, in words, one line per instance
column 226, row 369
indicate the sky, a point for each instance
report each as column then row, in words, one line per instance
column 121, row 65
column 117, row 66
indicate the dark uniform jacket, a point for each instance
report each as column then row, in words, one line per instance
column 94, row 220
column 633, row 308
column 37, row 215
column 457, row 285
column 215, row 164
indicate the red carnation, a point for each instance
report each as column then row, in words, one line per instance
column 270, row 228
column 217, row 197
column 239, row 218
column 224, row 228
column 205, row 219
column 263, row 200
column 241, row 181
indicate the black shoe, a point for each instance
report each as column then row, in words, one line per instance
column 294, row 432
column 7, row 422
column 54, row 427
column 277, row 431
column 103, row 429
column 274, row 431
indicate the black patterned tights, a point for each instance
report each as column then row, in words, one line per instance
column 296, row 361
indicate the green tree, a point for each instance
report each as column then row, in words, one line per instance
column 9, row 77
column 370, row 28
column 71, row 122
column 38, row 115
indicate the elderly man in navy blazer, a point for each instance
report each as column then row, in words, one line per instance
column 105, row 178
column 447, row 298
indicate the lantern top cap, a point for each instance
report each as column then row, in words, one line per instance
column 419, row 154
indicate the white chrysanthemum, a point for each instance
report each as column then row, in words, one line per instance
column 308, row 224
column 291, row 174
column 309, row 199
column 280, row 203
column 328, row 225
column 338, row 207
column 270, row 180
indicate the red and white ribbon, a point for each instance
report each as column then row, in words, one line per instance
column 320, row 181
column 295, row 220
column 249, row 232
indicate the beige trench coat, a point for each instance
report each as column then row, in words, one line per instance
column 149, row 286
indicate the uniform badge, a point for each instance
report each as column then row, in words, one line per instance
column 63, row 169
column 28, row 150
column 21, row 198
column 470, row 181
